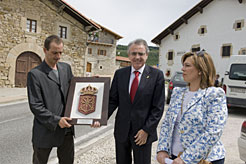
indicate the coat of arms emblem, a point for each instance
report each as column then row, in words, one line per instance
column 87, row 100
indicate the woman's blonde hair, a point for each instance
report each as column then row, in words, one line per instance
column 204, row 64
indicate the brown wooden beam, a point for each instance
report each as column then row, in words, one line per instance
column 200, row 9
column 184, row 20
column 170, row 31
column 60, row 9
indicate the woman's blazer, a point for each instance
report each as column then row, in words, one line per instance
column 200, row 127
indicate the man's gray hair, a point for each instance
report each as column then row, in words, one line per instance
column 138, row 42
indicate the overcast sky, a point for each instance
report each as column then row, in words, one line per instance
column 133, row 19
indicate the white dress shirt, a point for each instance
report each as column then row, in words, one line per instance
column 132, row 76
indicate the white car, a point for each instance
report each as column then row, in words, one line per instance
column 234, row 81
column 242, row 142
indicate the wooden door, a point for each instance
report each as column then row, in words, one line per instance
column 24, row 63
column 88, row 67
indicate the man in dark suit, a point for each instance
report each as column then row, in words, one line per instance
column 138, row 92
column 47, row 86
column 217, row 83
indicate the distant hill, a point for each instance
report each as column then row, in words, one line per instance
column 153, row 58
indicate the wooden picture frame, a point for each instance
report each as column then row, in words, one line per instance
column 87, row 100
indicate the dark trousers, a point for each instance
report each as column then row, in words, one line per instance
column 65, row 152
column 220, row 161
column 141, row 154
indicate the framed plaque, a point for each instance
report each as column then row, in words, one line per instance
column 87, row 100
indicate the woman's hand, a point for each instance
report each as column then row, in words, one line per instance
column 178, row 161
column 161, row 155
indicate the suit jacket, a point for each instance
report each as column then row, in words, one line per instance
column 147, row 108
column 200, row 127
column 47, row 98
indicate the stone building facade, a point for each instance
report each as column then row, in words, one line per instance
column 101, row 52
column 24, row 25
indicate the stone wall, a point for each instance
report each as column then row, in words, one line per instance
column 14, row 39
column 102, row 65
column 106, row 37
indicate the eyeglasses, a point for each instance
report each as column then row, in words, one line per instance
column 201, row 53
column 139, row 53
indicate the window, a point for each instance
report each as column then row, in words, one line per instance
column 176, row 36
column 31, row 25
column 63, row 32
column 178, row 77
column 101, row 67
column 238, row 25
column 238, row 72
column 89, row 51
column 226, row 50
column 195, row 48
column 202, row 30
column 242, row 51
column 101, row 52
column 170, row 55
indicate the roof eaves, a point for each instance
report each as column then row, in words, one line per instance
column 116, row 35
column 80, row 17
column 106, row 29
column 183, row 19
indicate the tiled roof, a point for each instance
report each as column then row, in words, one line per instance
column 63, row 6
column 84, row 20
column 121, row 58
column 106, row 29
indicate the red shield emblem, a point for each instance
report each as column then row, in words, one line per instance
column 87, row 103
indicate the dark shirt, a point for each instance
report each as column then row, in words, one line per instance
column 216, row 83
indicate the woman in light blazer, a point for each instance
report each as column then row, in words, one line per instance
column 196, row 116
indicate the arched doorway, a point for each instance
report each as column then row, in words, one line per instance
column 24, row 63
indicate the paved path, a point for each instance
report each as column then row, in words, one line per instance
column 100, row 150
column 103, row 151
column 8, row 95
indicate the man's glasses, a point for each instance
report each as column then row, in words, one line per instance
column 139, row 53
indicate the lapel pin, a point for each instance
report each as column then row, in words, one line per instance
column 147, row 77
